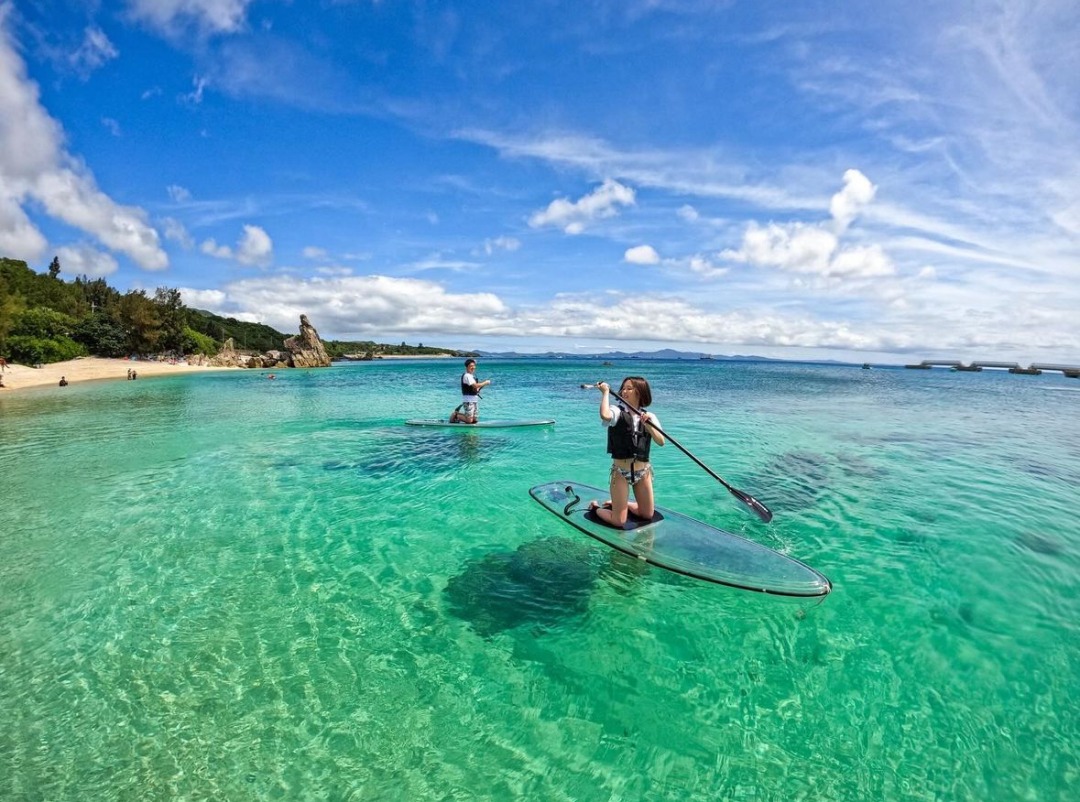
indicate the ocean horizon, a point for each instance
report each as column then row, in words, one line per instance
column 216, row 586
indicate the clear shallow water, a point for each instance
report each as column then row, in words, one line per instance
column 222, row 587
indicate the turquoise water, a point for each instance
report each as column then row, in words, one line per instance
column 222, row 587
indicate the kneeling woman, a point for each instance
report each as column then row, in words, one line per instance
column 630, row 437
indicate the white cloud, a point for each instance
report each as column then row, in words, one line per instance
column 374, row 306
column 815, row 248
column 95, row 51
column 174, row 17
column 195, row 96
column 573, row 216
column 255, row 247
column 688, row 213
column 211, row 248
column 861, row 262
column 675, row 320
column 19, row 238
column 1068, row 218
column 176, row 232
column 848, row 202
column 362, row 307
column 501, row 244
column 72, row 196
column 208, row 300
column 794, row 246
column 705, row 267
column 334, row 271
column 357, row 306
column 84, row 260
column 178, row 194
column 437, row 261
column 35, row 167
column 685, row 172
column 642, row 255
column 312, row 252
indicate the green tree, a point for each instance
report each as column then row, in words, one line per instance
column 193, row 342
column 172, row 319
column 101, row 334
column 97, row 295
column 54, row 268
column 43, row 322
column 139, row 317
column 32, row 350
column 11, row 307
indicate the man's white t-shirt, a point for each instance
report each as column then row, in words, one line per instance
column 469, row 379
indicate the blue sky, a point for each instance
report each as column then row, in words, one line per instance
column 881, row 181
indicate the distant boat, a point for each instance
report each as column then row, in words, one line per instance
column 608, row 364
column 706, row 356
column 866, row 366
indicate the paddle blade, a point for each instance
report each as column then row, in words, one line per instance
column 759, row 509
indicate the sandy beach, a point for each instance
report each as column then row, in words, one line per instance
column 91, row 368
column 95, row 368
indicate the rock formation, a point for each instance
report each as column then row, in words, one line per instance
column 228, row 356
column 303, row 351
column 306, row 349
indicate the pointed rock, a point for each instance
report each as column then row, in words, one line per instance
column 228, row 356
column 306, row 350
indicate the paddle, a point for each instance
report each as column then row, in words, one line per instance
column 759, row 509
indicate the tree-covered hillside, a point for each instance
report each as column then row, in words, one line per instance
column 338, row 349
column 246, row 336
column 46, row 319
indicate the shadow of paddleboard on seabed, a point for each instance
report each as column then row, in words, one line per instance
column 542, row 583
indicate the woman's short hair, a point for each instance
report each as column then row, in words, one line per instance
column 644, row 394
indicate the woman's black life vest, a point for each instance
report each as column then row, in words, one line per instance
column 625, row 440
column 468, row 389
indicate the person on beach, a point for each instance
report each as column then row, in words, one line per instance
column 63, row 381
column 467, row 411
column 629, row 438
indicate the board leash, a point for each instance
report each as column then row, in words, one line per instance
column 570, row 506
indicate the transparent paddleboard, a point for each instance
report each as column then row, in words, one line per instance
column 685, row 545
column 483, row 424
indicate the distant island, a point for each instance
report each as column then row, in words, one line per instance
column 665, row 353
column 662, row 354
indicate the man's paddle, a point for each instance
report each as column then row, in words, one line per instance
column 759, row 509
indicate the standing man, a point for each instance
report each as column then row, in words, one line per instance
column 470, row 392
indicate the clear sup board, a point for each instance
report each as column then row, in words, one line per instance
column 685, row 545
column 483, row 424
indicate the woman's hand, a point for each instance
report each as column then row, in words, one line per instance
column 603, row 387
